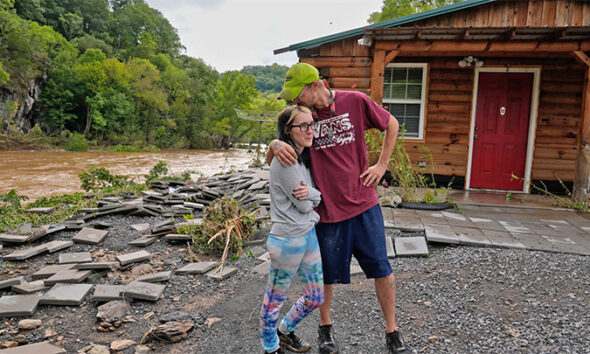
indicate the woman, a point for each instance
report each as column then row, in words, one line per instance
column 292, row 242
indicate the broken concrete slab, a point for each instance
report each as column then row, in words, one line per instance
column 35, row 348
column 26, row 253
column 155, row 277
column 442, row 234
column 196, row 268
column 178, row 237
column 262, row 268
column 143, row 241
column 54, row 246
column 48, row 271
column 225, row 272
column 502, row 239
column 8, row 238
column 66, row 294
column 133, row 257
column 29, row 287
column 389, row 247
column 112, row 311
column 143, row 291
column 141, row 227
column 96, row 266
column 411, row 246
column 68, row 276
column 42, row 210
column 105, row 292
column 91, row 236
column 18, row 305
column 472, row 237
column 51, row 230
column 75, row 257
column 265, row 256
column 7, row 283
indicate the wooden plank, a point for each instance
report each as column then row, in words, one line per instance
column 390, row 56
column 543, row 140
column 570, row 132
column 444, row 138
column 512, row 46
column 563, row 76
column 549, row 8
column 450, row 97
column 576, row 13
column 582, row 57
column 347, row 72
column 377, row 75
column 561, row 13
column 338, row 61
column 560, row 99
column 447, row 128
column 586, row 14
column 521, row 14
column 556, row 154
column 458, row 19
column 585, row 116
column 350, row 82
column 559, row 121
column 563, row 165
column 435, row 148
column 559, row 110
column 495, row 18
column 459, row 75
column 582, row 174
column 551, row 175
column 551, row 87
column 451, row 86
column 481, row 16
column 534, row 15
column 449, row 107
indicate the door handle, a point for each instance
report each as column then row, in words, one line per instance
column 475, row 136
column 502, row 111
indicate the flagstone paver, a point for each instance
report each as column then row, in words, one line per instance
column 96, row 266
column 66, row 294
column 389, row 247
column 143, row 291
column 68, row 276
column 225, row 272
column 89, row 235
column 29, row 287
column 410, row 246
column 75, row 257
column 143, row 241
column 106, row 292
column 7, row 283
column 50, row 270
column 26, row 253
column 155, row 277
column 534, row 242
column 18, row 305
column 471, row 236
column 502, row 239
column 567, row 245
column 54, row 246
column 196, row 268
column 133, row 257
column 441, row 233
column 141, row 227
column 8, row 238
column 178, row 237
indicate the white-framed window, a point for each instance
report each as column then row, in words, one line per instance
column 404, row 93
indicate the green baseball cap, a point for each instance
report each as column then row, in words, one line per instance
column 297, row 77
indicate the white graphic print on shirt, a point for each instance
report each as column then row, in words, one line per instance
column 335, row 131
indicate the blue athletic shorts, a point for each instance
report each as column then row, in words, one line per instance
column 362, row 236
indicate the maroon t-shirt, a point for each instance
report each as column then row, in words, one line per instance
column 339, row 155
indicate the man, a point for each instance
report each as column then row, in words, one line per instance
column 351, row 222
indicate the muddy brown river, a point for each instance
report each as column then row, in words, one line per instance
column 43, row 173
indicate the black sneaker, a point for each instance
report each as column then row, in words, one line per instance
column 397, row 344
column 276, row 351
column 327, row 345
column 293, row 343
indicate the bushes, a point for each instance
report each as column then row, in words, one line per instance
column 76, row 142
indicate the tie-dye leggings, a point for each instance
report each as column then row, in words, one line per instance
column 290, row 255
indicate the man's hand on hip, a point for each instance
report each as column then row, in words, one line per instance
column 373, row 175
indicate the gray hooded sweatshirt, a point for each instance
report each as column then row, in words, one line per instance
column 290, row 216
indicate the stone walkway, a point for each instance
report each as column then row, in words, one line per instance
column 552, row 230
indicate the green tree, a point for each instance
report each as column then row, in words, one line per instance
column 397, row 8
column 234, row 90
column 268, row 77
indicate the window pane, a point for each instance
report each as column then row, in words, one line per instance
column 398, row 91
column 408, row 116
column 396, row 110
column 413, row 110
column 415, row 75
column 387, row 91
column 399, row 75
column 414, row 92
column 388, row 75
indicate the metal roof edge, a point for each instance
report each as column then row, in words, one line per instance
column 385, row 24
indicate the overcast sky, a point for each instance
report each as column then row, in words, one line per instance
column 230, row 34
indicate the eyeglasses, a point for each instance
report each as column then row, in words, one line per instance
column 304, row 126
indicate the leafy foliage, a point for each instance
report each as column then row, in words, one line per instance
column 397, row 8
column 268, row 77
column 98, row 179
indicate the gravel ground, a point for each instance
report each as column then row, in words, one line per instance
column 458, row 300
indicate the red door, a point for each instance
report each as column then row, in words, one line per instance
column 501, row 130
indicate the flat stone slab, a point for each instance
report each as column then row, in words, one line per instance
column 18, row 305
column 52, row 230
column 196, row 268
column 411, row 246
column 68, row 276
column 389, row 247
column 66, row 294
column 35, row 348
column 105, row 292
column 471, row 236
column 76, row 257
column 534, row 242
column 48, row 271
column 141, row 227
column 178, row 237
column 97, row 266
column 133, row 257
column 502, row 239
column 155, row 277
column 26, row 253
column 567, row 245
column 143, row 291
column 8, row 238
column 89, row 235
column 54, row 246
column 10, row 282
column 45, row 210
column 265, row 256
column 262, row 268
column 29, row 287
column 441, row 233
column 143, row 241
column 225, row 272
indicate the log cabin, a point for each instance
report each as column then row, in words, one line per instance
column 493, row 88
